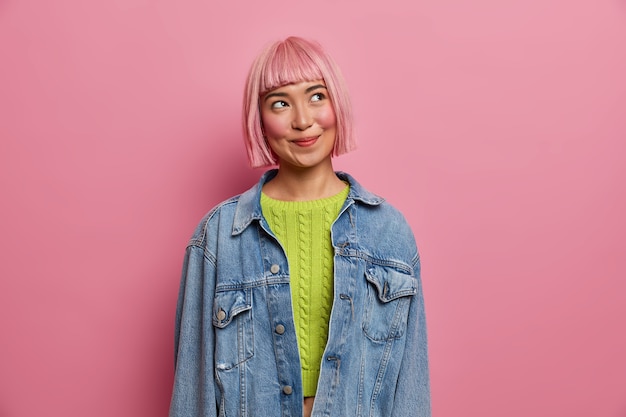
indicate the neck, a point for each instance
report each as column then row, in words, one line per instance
column 296, row 184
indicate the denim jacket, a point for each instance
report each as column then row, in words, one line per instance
column 236, row 352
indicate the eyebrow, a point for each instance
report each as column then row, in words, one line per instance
column 307, row 91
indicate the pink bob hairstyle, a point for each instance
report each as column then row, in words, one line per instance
column 290, row 61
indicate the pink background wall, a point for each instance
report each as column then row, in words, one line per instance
column 497, row 127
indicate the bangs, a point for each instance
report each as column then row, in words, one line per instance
column 288, row 63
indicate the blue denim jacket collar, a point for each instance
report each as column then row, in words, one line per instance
column 249, row 206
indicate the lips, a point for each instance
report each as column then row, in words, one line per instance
column 304, row 142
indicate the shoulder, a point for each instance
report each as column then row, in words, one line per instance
column 232, row 216
column 384, row 219
column 216, row 215
column 372, row 204
column 383, row 230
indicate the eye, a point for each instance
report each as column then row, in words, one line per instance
column 318, row 97
column 280, row 104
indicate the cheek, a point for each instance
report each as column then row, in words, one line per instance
column 326, row 117
column 273, row 126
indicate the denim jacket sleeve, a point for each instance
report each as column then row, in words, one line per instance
column 194, row 387
column 412, row 397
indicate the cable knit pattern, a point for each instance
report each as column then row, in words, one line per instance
column 303, row 229
column 327, row 276
column 303, row 286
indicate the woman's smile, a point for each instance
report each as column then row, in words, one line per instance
column 305, row 142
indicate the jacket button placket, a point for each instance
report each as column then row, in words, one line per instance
column 285, row 344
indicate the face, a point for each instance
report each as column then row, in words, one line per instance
column 299, row 124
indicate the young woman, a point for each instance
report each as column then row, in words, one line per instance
column 301, row 296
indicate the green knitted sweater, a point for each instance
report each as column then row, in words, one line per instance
column 303, row 229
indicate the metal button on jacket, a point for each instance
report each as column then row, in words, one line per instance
column 274, row 269
column 221, row 315
column 287, row 389
column 280, row 329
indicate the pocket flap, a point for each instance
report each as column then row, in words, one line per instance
column 227, row 304
column 390, row 282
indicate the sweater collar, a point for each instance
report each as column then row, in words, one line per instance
column 249, row 205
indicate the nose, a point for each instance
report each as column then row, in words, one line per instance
column 302, row 118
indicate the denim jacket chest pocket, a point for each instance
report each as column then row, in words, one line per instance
column 234, row 335
column 389, row 293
